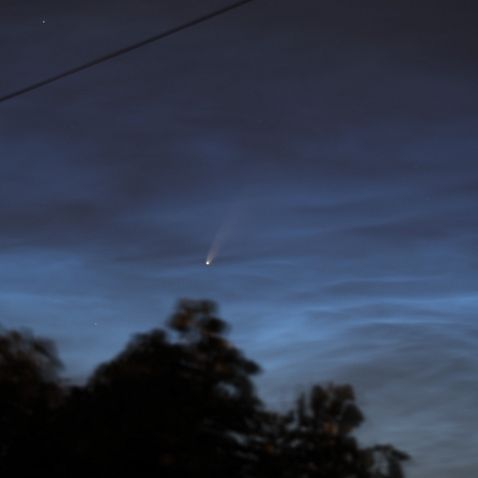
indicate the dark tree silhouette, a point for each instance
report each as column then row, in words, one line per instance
column 314, row 440
column 29, row 392
column 176, row 404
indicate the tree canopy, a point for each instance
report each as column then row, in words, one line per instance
column 174, row 403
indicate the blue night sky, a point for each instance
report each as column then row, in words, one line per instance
column 330, row 148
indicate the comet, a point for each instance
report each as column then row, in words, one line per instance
column 222, row 234
column 226, row 230
column 216, row 244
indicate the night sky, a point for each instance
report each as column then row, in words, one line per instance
column 328, row 148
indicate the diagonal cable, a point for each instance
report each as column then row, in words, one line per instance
column 122, row 51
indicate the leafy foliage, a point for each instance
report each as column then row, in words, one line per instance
column 177, row 404
column 29, row 391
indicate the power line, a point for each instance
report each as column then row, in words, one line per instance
column 124, row 50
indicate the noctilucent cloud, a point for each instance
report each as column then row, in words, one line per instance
column 326, row 152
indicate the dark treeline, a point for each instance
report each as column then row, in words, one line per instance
column 173, row 404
